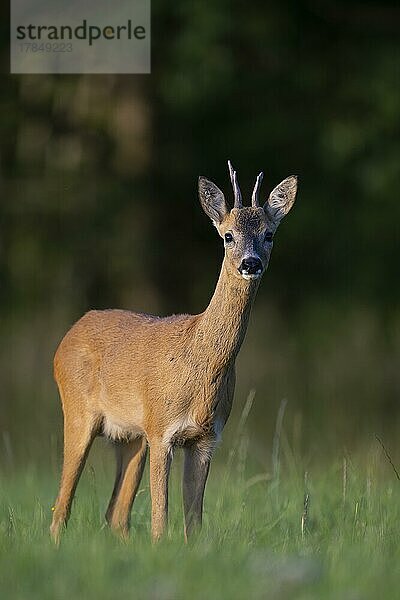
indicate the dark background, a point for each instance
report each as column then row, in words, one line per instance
column 99, row 208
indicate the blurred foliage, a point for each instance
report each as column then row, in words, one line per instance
column 98, row 208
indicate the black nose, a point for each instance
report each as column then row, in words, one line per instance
column 251, row 265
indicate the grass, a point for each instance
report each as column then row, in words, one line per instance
column 259, row 540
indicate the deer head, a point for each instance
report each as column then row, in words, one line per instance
column 247, row 231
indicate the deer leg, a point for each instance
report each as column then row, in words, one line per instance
column 195, row 473
column 160, row 463
column 117, row 482
column 79, row 434
column 131, row 458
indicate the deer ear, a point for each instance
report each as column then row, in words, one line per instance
column 212, row 200
column 281, row 199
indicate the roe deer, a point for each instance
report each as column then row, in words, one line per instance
column 145, row 381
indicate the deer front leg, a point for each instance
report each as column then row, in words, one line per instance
column 196, row 467
column 160, row 463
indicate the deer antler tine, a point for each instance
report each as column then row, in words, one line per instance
column 230, row 170
column 257, row 185
column 238, row 195
column 235, row 185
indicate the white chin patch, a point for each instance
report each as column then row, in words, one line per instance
column 249, row 276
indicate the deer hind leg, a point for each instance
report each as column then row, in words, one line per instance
column 195, row 472
column 131, row 459
column 79, row 433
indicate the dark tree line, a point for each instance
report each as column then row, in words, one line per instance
column 98, row 180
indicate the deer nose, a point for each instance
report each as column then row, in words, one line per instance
column 251, row 265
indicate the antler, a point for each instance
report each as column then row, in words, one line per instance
column 235, row 185
column 257, row 185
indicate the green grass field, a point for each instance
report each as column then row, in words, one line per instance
column 253, row 543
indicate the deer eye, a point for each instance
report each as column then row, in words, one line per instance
column 269, row 236
column 228, row 238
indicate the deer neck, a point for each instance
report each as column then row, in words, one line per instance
column 222, row 326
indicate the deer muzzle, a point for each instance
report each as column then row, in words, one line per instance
column 251, row 267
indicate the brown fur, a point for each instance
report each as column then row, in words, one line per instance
column 144, row 380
